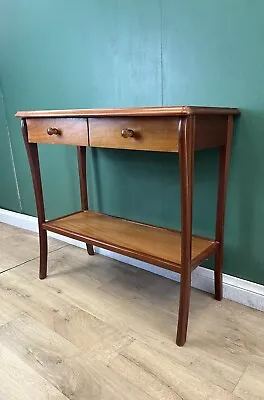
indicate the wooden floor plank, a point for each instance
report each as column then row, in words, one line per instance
column 139, row 364
column 122, row 297
column 39, row 302
column 18, row 246
column 233, row 330
column 205, row 365
column 251, row 385
column 59, row 362
column 7, row 311
column 96, row 328
column 20, row 382
column 36, row 301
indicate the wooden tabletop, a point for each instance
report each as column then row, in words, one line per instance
column 131, row 112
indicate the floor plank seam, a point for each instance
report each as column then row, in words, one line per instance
column 31, row 259
column 185, row 366
column 69, row 301
column 148, row 371
column 119, row 351
column 94, row 330
column 19, row 265
column 241, row 377
column 59, row 248
column 74, row 312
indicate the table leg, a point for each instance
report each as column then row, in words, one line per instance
column 81, row 154
column 33, row 158
column 224, row 159
column 186, row 155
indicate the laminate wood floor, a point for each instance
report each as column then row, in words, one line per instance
column 99, row 329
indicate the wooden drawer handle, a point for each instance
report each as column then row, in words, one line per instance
column 126, row 133
column 53, row 131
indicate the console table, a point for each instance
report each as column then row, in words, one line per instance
column 181, row 130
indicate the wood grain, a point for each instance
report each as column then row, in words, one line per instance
column 7, row 312
column 21, row 382
column 33, row 159
column 224, row 160
column 62, row 317
column 153, row 134
column 21, row 251
column 118, row 343
column 130, row 112
column 148, row 129
column 210, row 131
column 186, row 155
column 251, row 386
column 144, row 242
column 34, row 301
column 73, row 131
column 60, row 364
column 81, row 156
column 143, row 366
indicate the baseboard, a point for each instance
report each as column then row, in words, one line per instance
column 236, row 289
column 31, row 224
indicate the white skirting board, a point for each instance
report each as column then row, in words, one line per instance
column 236, row 289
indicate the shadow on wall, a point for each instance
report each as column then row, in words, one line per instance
column 145, row 186
column 59, row 171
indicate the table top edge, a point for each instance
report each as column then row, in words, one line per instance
column 130, row 112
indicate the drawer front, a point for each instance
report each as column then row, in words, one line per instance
column 135, row 133
column 73, row 131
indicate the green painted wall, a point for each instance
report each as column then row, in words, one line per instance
column 8, row 190
column 117, row 53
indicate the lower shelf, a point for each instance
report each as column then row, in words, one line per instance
column 147, row 243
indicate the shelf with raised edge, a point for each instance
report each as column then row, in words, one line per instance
column 155, row 245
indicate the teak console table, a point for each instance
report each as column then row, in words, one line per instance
column 168, row 129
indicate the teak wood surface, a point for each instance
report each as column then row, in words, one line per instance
column 81, row 155
column 181, row 129
column 131, row 112
column 33, row 159
column 130, row 238
column 149, row 133
column 72, row 131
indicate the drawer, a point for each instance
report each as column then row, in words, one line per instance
column 73, row 131
column 135, row 133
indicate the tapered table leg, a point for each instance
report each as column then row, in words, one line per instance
column 186, row 155
column 33, row 158
column 81, row 153
column 224, row 159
